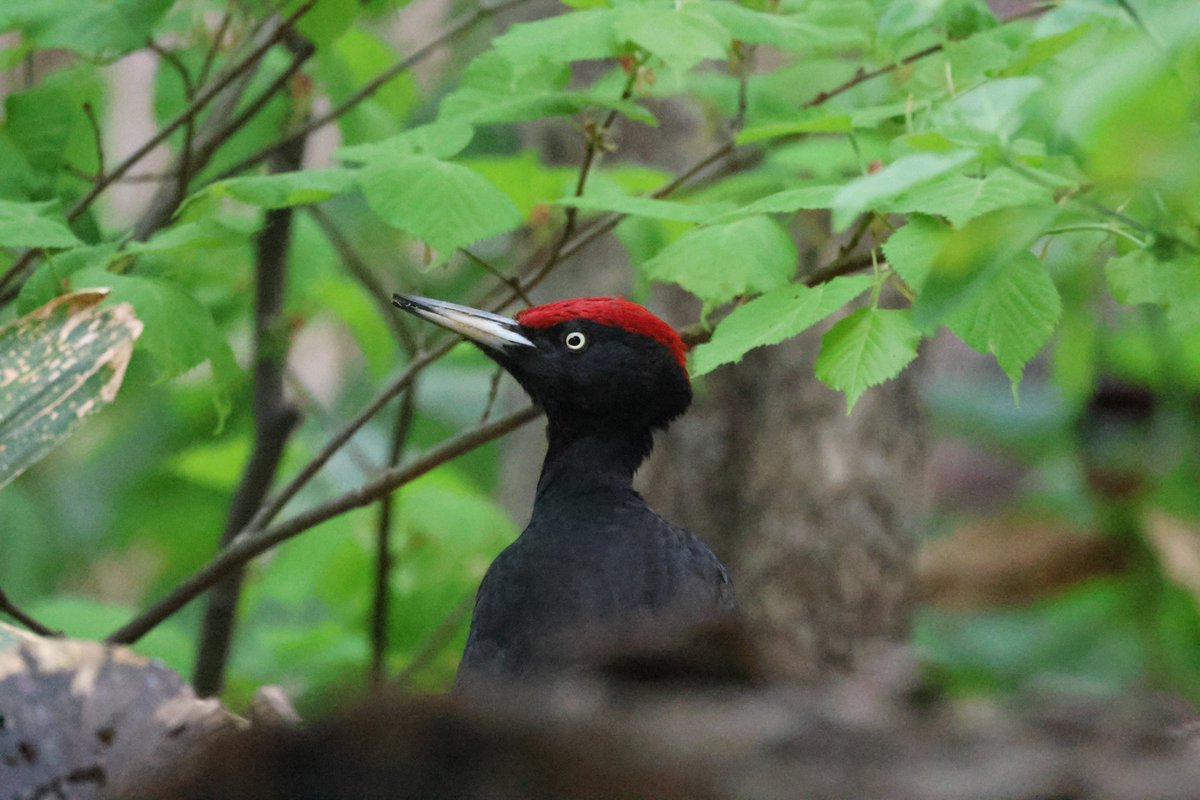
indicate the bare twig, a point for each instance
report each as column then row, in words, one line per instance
column 198, row 103
column 210, row 56
column 193, row 108
column 361, row 272
column 8, row 607
column 217, row 130
column 310, row 406
column 97, row 136
column 274, row 421
column 493, row 393
column 373, row 85
column 247, row 547
column 184, row 169
column 401, row 382
column 256, row 537
column 509, row 281
column 382, row 595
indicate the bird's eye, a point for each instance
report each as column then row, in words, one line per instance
column 575, row 341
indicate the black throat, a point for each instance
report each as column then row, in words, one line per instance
column 590, row 459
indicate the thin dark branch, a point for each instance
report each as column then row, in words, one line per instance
column 217, row 130
column 310, row 405
column 595, row 143
column 193, row 108
column 274, row 421
column 401, row 382
column 361, row 272
column 743, row 55
column 10, row 608
column 210, row 56
column 97, row 136
column 493, row 393
column 853, row 262
column 511, row 282
column 183, row 171
column 373, row 85
column 382, row 595
column 257, row 538
column 198, row 103
column 248, row 546
column 189, row 88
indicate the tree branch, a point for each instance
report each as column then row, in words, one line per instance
column 10, row 608
column 193, row 108
column 274, row 421
column 361, row 272
column 217, row 130
column 248, row 546
column 373, row 85
column 382, row 594
column 256, row 537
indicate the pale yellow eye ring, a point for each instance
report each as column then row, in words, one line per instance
column 575, row 341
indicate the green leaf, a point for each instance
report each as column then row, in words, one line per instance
column 444, row 204
column 1011, row 315
column 326, row 21
column 58, row 365
column 528, row 183
column 903, row 174
column 568, row 37
column 962, row 265
column 349, row 63
column 54, row 276
column 438, row 139
column 792, row 32
column 39, row 122
column 1137, row 277
column 648, row 207
column 682, row 36
column 775, row 316
column 495, row 90
column 789, row 201
column 719, row 262
column 1172, row 282
column 961, row 199
column 205, row 234
column 817, row 120
column 103, row 30
column 868, row 347
column 286, row 189
column 179, row 332
column 34, row 225
column 996, row 107
column 913, row 249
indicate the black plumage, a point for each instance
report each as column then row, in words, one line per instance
column 595, row 566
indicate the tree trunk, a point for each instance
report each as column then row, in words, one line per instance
column 813, row 510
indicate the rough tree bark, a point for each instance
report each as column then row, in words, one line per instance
column 812, row 509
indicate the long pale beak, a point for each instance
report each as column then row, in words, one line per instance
column 482, row 327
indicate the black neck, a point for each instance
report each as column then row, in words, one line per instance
column 591, row 459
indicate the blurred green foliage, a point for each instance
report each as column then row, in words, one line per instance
column 1030, row 185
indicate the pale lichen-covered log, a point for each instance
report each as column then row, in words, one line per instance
column 58, row 364
column 84, row 720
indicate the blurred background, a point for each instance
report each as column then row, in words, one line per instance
column 1022, row 540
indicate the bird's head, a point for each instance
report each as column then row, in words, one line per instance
column 593, row 362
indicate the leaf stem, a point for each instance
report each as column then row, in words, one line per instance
column 1098, row 227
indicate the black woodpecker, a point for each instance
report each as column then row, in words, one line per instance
column 596, row 565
